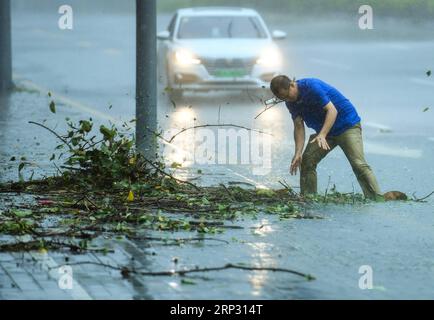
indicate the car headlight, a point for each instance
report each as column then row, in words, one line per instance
column 184, row 57
column 270, row 57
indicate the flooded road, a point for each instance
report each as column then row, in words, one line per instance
column 382, row 73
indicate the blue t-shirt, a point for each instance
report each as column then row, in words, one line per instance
column 314, row 95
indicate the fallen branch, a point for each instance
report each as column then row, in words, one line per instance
column 214, row 125
column 38, row 244
column 288, row 188
column 174, row 239
column 125, row 271
column 423, row 198
column 170, row 176
column 266, row 108
column 228, row 191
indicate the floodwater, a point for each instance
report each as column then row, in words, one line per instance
column 382, row 71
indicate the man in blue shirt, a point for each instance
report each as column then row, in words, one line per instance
column 336, row 122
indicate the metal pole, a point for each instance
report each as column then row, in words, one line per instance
column 146, row 77
column 5, row 46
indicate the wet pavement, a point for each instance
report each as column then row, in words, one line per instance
column 383, row 73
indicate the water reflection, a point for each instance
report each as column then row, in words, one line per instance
column 261, row 257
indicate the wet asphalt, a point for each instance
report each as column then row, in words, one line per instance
column 382, row 71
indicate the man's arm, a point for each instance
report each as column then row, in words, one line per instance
column 329, row 121
column 299, row 136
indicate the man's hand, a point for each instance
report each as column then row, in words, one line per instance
column 322, row 142
column 295, row 163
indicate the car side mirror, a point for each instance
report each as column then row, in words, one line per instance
column 278, row 34
column 163, row 35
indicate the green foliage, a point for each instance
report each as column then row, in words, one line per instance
column 52, row 107
column 108, row 160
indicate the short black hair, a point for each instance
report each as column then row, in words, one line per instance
column 279, row 82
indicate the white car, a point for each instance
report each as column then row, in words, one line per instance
column 214, row 48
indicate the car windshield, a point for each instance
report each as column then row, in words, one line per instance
column 218, row 27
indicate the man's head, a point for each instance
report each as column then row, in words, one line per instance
column 284, row 88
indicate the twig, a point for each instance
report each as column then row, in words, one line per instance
column 241, row 182
column 266, row 108
column 227, row 190
column 58, row 169
column 352, row 196
column 126, row 271
column 85, row 197
column 287, row 187
column 170, row 176
column 53, row 132
column 174, row 239
column 32, row 245
column 421, row 199
column 249, row 94
column 215, row 125
column 72, row 168
column 93, row 144
column 327, row 189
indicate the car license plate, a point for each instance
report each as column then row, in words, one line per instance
column 230, row 73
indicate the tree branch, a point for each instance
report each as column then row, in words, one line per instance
column 53, row 132
column 170, row 176
column 421, row 199
column 215, row 125
column 125, row 271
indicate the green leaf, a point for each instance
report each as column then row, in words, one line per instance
column 265, row 192
column 428, row 73
column 22, row 213
column 107, row 133
column 21, row 166
column 187, row 281
column 175, row 165
column 52, row 107
column 426, row 109
column 86, row 126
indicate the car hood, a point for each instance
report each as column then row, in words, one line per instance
column 223, row 48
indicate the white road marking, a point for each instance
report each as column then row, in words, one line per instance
column 51, row 267
column 391, row 151
column 376, row 125
column 65, row 100
column 424, row 82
